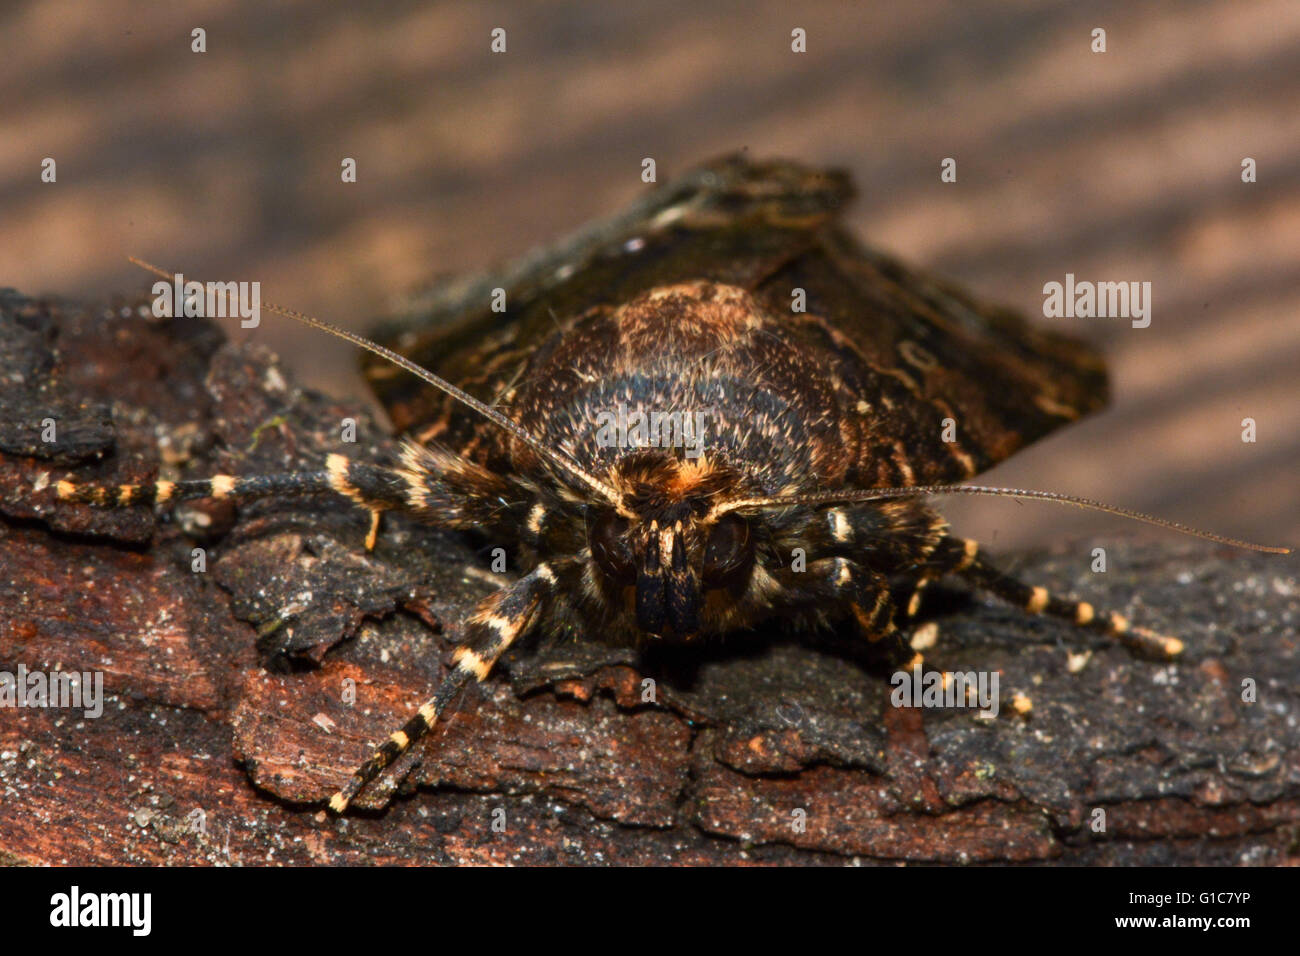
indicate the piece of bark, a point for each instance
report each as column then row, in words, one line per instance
column 226, row 720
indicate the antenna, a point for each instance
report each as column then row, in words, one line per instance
column 549, row 455
column 885, row 494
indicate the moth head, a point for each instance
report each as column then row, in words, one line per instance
column 664, row 553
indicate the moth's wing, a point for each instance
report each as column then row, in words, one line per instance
column 914, row 350
column 917, row 351
column 731, row 220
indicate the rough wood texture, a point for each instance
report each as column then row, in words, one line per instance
column 214, row 700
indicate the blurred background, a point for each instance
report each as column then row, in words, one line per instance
column 1117, row 166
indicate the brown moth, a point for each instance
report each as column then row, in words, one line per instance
column 713, row 411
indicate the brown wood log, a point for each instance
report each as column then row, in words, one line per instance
column 225, row 724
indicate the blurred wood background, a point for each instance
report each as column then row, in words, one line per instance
column 1117, row 166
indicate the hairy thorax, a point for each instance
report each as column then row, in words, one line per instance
column 699, row 370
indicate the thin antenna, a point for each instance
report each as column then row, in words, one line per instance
column 884, row 494
column 491, row 414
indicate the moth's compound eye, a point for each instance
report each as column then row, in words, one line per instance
column 729, row 554
column 607, row 533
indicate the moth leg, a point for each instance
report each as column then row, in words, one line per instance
column 372, row 535
column 914, row 533
column 499, row 620
column 913, row 606
column 865, row 594
column 961, row 556
column 926, row 634
column 370, row 486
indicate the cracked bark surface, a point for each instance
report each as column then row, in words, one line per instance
column 225, row 689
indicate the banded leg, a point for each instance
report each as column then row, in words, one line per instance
column 924, row 636
column 497, row 623
column 432, row 483
column 912, row 530
column 370, row 486
column 866, row 595
column 923, row 579
column 961, row 556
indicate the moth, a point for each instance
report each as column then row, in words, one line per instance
column 715, row 410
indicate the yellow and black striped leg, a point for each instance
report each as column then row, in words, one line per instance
column 926, row 635
column 866, row 595
column 173, row 492
column 923, row 636
column 438, row 487
column 497, row 623
column 913, row 606
column 369, row 486
column 962, row 557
